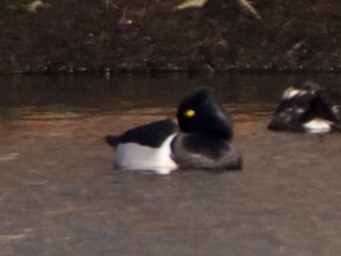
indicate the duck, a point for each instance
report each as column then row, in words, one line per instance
column 308, row 107
column 199, row 138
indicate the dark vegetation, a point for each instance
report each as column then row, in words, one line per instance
column 143, row 35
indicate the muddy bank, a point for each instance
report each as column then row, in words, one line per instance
column 102, row 36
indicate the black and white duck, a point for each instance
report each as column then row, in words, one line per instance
column 200, row 139
column 307, row 107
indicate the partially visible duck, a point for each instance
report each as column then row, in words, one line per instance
column 200, row 140
column 309, row 108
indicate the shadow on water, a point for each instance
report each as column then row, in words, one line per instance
column 59, row 195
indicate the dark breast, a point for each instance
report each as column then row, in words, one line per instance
column 203, row 144
column 204, row 151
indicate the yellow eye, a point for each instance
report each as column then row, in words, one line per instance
column 189, row 113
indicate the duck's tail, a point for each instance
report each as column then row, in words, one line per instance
column 112, row 140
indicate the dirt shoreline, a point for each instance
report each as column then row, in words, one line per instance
column 130, row 35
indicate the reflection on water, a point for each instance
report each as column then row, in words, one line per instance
column 47, row 102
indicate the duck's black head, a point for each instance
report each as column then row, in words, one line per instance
column 200, row 113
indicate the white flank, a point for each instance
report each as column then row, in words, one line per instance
column 135, row 157
column 291, row 92
column 317, row 125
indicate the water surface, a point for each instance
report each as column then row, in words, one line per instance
column 59, row 194
column 40, row 101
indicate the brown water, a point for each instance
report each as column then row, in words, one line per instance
column 60, row 196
